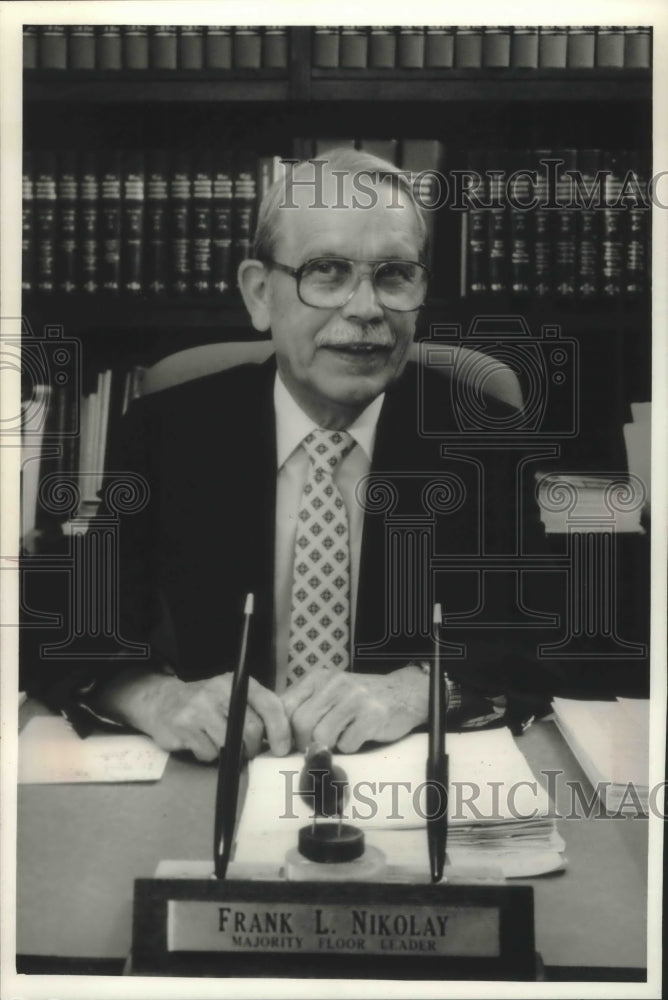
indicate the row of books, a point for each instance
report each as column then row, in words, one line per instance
column 571, row 224
column 156, row 222
column 586, row 236
column 67, row 437
column 157, row 47
column 478, row 47
column 566, row 223
column 197, row 47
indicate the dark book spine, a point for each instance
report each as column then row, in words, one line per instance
column 552, row 47
column 496, row 48
column 613, row 231
column 135, row 46
column 326, row 47
column 157, row 222
column 52, row 46
column 565, row 223
column 162, row 47
column 221, row 249
column 244, row 208
column 89, row 224
column 524, row 47
column 180, row 193
column 67, row 250
column 637, row 48
column 202, row 222
column 133, row 211
column 82, row 46
column 520, row 192
column 28, row 224
column 218, row 47
column 110, row 223
column 542, row 242
column 588, row 238
column 108, row 48
column 275, row 47
column 410, row 48
column 439, row 47
column 30, row 59
column 382, row 47
column 610, row 47
column 477, row 249
column 468, row 47
column 45, row 220
column 580, row 47
column 247, row 47
column 497, row 223
column 637, row 229
column 353, row 52
column 191, row 47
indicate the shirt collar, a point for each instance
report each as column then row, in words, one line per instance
column 292, row 424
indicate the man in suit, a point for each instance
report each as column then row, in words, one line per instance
column 233, row 472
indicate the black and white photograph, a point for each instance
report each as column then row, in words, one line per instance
column 333, row 608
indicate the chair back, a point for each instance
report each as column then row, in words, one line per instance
column 480, row 370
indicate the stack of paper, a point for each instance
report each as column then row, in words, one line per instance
column 610, row 740
column 588, row 503
column 498, row 814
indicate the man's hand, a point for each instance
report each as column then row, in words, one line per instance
column 181, row 715
column 345, row 710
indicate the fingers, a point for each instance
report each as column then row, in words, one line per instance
column 273, row 716
column 330, row 706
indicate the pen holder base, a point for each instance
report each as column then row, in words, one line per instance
column 331, row 843
column 369, row 867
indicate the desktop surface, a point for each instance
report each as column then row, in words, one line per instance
column 80, row 847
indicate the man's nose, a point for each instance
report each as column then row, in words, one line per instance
column 363, row 303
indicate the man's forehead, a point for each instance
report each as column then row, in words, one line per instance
column 333, row 204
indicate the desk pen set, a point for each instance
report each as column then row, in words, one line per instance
column 334, row 897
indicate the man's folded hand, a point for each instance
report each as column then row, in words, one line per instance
column 181, row 715
column 344, row 710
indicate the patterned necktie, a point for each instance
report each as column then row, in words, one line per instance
column 320, row 616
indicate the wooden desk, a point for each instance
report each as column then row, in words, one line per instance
column 81, row 847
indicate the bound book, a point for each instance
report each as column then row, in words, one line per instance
column 109, row 49
column 110, row 223
column 202, row 221
column 89, row 223
column 221, row 224
column 45, row 220
column 67, row 250
column 218, row 47
column 82, row 46
column 163, row 44
column 135, row 46
column 133, row 219
column 52, row 46
column 191, row 47
column 28, row 224
column 180, row 193
column 156, row 275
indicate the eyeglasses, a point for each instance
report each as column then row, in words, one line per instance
column 330, row 282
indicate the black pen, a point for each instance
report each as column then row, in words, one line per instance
column 437, row 763
column 233, row 757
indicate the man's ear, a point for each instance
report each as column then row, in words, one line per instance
column 252, row 278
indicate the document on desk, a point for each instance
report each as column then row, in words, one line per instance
column 498, row 813
column 610, row 740
column 50, row 752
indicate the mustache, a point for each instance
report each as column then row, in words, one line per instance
column 343, row 334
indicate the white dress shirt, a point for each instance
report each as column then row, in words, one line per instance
column 292, row 426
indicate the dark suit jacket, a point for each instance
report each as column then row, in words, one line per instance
column 205, row 538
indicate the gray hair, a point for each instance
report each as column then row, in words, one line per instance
column 339, row 158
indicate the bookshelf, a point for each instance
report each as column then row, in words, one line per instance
column 280, row 111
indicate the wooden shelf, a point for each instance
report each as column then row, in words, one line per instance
column 151, row 86
column 446, row 85
column 526, row 86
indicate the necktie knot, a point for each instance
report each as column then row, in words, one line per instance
column 327, row 448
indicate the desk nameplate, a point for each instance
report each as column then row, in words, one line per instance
column 208, row 927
